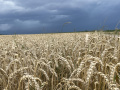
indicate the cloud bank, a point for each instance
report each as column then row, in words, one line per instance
column 30, row 16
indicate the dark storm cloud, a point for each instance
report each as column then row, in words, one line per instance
column 30, row 16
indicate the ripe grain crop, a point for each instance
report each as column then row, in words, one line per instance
column 64, row 61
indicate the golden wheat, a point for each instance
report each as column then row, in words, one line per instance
column 64, row 61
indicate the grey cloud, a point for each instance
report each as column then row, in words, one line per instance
column 4, row 27
column 7, row 6
column 28, row 16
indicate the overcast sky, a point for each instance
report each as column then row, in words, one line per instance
column 41, row 16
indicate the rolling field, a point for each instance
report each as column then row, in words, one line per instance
column 64, row 61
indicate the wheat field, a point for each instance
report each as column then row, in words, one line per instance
column 64, row 61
